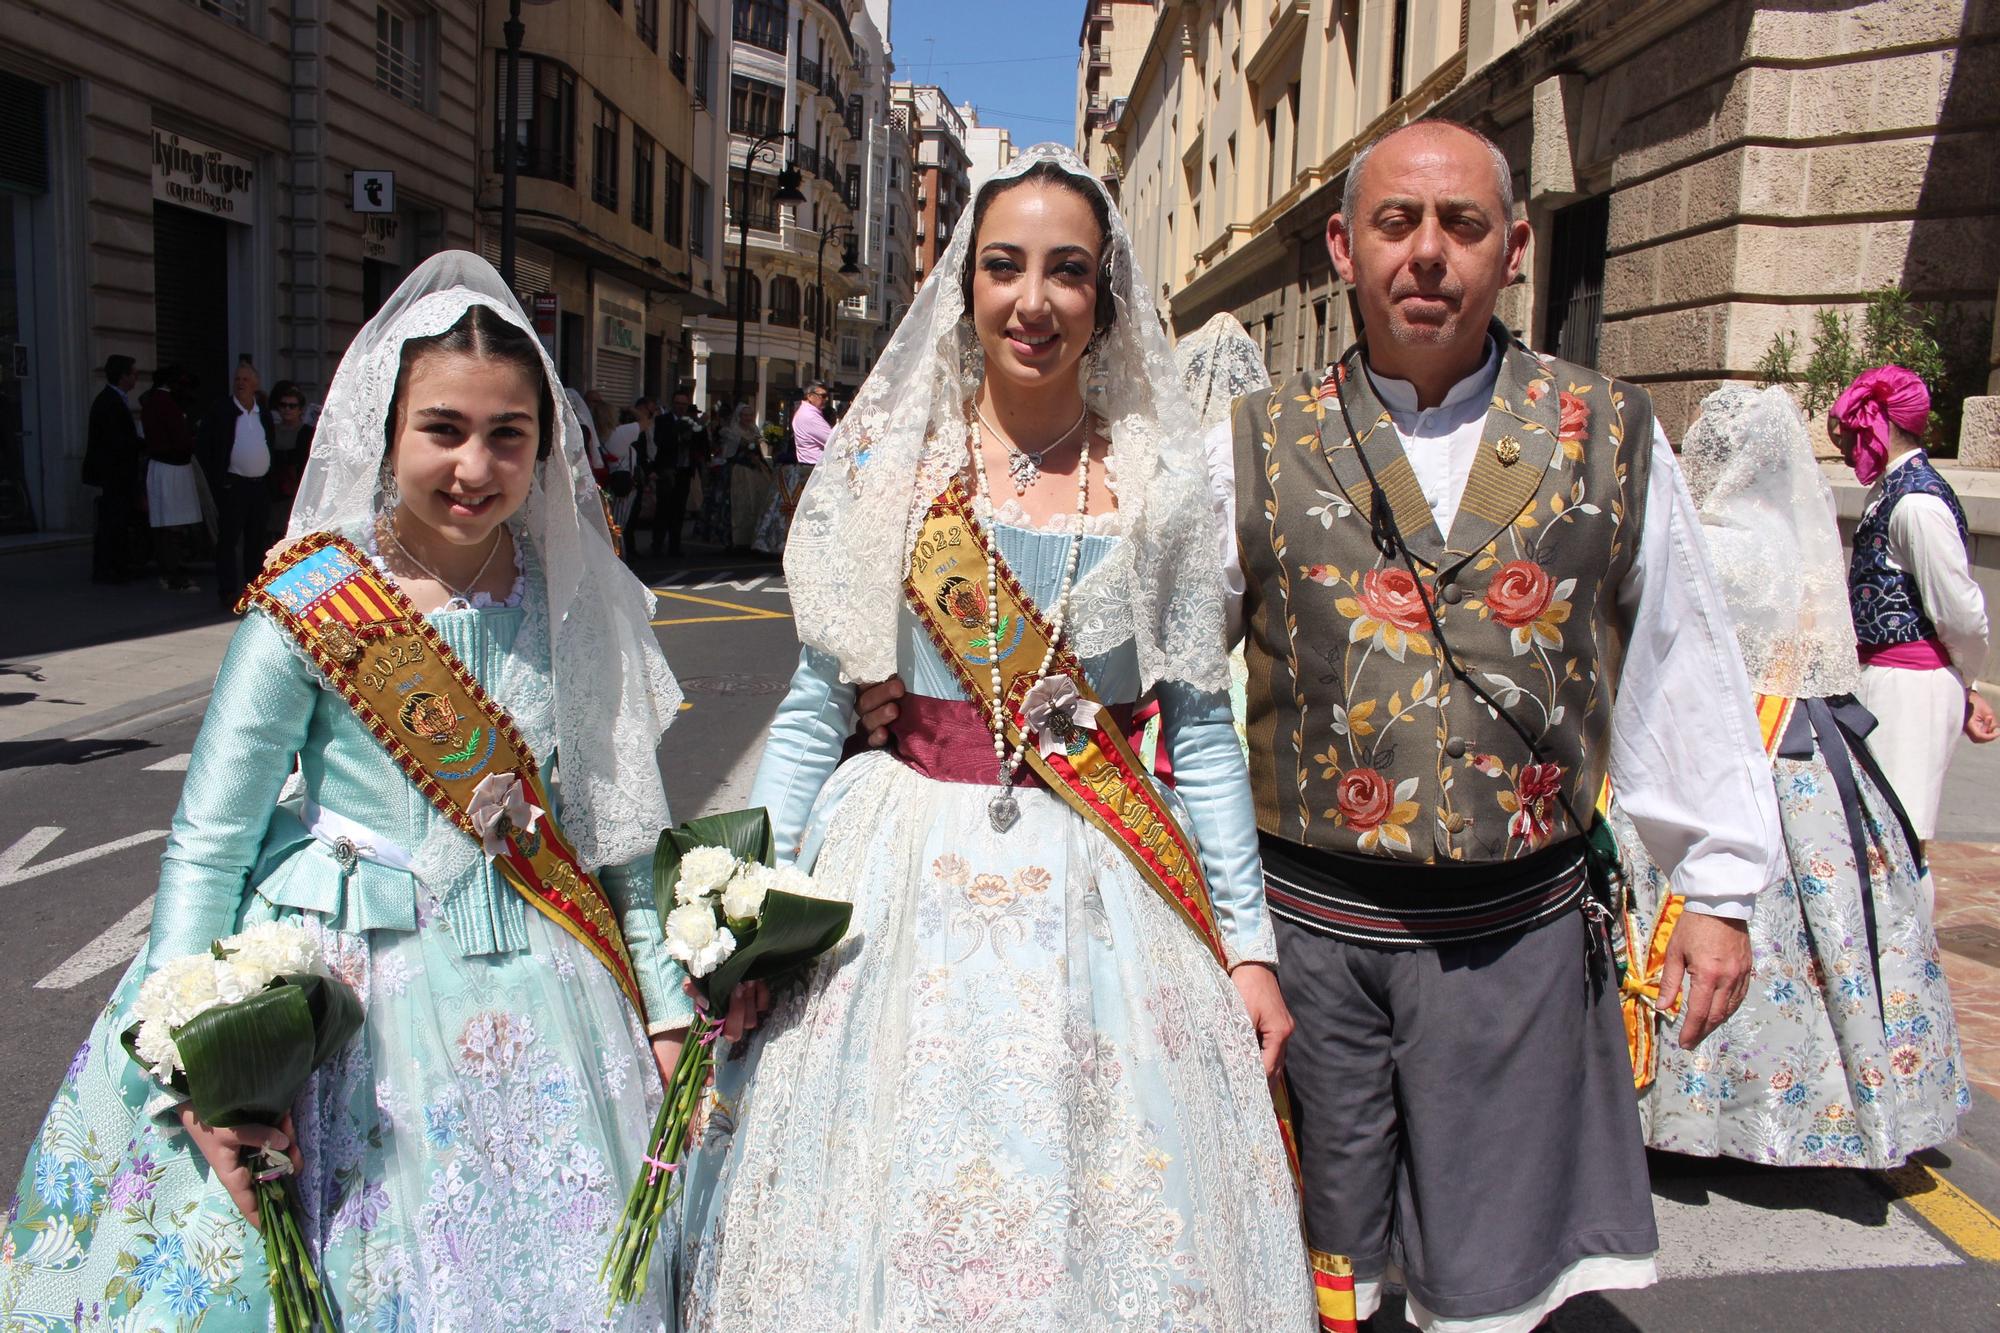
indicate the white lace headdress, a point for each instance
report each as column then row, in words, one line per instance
column 905, row 438
column 1767, row 515
column 613, row 692
column 1219, row 364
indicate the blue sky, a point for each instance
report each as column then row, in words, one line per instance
column 1014, row 59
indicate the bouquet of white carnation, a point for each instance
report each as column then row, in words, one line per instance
column 237, row 1031
column 736, row 918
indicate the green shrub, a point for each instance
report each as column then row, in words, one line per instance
column 1894, row 330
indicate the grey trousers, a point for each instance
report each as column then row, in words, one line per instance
column 1464, row 1113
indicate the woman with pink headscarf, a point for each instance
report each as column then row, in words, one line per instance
column 1919, row 617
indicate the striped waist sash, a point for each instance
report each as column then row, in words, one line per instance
column 1406, row 905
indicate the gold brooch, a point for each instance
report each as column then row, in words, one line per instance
column 1507, row 450
column 338, row 642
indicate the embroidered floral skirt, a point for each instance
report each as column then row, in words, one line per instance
column 1816, row 1068
column 1021, row 1096
column 466, row 1160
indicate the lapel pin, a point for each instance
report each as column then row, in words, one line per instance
column 1508, row 450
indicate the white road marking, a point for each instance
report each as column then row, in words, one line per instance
column 113, row 947
column 175, row 764
column 26, row 849
column 733, row 792
column 14, row 867
column 727, row 579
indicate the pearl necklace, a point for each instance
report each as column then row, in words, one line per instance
column 459, row 596
column 1003, row 810
column 1025, row 465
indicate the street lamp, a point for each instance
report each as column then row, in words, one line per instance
column 848, row 268
column 763, row 148
column 513, row 32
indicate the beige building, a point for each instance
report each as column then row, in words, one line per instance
column 1702, row 175
column 195, row 183
column 1110, row 52
column 618, row 213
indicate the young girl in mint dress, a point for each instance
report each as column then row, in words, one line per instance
column 466, row 1157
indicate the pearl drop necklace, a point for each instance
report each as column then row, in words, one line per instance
column 1003, row 810
column 1025, row 465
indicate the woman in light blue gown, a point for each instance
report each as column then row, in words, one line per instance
column 1845, row 1051
column 1022, row 1094
column 467, row 1156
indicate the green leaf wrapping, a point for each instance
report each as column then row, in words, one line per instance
column 794, row 930
column 244, row 1063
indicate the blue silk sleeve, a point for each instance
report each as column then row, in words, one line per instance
column 807, row 737
column 256, row 722
column 630, row 888
column 1213, row 782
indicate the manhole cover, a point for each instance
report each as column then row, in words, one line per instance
column 1980, row 943
column 731, row 685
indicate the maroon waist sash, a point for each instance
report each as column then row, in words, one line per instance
column 950, row 740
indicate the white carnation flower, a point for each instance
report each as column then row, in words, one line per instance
column 714, row 953
column 704, row 871
column 743, row 899
column 791, row 879
column 690, row 929
column 238, row 978
column 180, row 990
column 155, row 1047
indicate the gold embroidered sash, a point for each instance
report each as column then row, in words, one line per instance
column 442, row 729
column 1646, row 957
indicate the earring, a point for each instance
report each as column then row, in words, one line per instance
column 387, row 495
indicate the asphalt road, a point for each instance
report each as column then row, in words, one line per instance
column 1742, row 1248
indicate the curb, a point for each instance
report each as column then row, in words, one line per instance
column 106, row 723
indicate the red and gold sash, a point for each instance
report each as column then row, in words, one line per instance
column 1097, row 773
column 442, row 729
column 1646, row 953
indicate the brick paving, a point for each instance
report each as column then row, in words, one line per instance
column 1968, row 928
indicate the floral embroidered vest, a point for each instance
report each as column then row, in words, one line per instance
column 1888, row 609
column 1360, row 740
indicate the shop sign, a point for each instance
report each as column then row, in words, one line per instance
column 621, row 318
column 548, row 317
column 195, row 175
column 379, row 237
column 374, row 192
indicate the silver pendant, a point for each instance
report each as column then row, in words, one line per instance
column 1004, row 811
column 1023, row 470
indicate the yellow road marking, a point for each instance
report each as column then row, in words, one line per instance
column 1953, row 1212
column 742, row 612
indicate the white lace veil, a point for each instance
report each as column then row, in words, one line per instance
column 1219, row 364
column 1767, row 514
column 613, row 692
column 905, row 438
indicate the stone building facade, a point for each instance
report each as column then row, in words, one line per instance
column 197, row 183
column 1702, row 175
column 1109, row 51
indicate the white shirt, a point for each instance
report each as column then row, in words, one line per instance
column 1924, row 543
column 621, row 447
column 249, row 452
column 1687, row 756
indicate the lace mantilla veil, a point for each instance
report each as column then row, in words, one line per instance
column 613, row 693
column 1219, row 364
column 1767, row 515
column 905, row 438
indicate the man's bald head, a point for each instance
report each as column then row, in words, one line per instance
column 1503, row 173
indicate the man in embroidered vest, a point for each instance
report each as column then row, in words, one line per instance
column 1920, row 618
column 1473, row 588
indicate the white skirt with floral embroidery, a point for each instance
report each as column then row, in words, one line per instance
column 1021, row 1095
